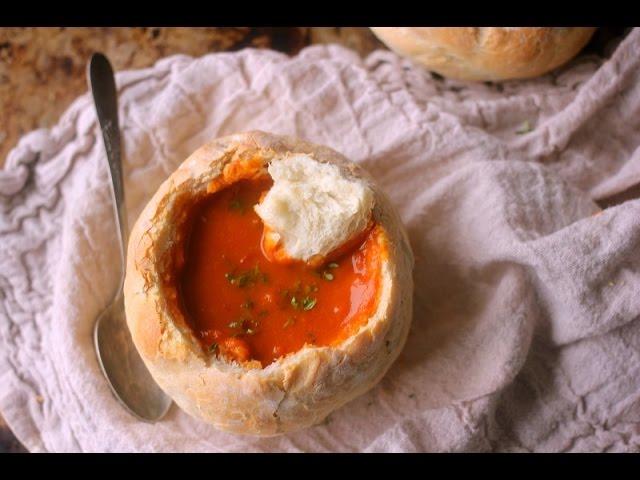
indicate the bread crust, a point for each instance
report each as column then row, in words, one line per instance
column 487, row 53
column 298, row 390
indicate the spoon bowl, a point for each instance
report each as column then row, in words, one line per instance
column 121, row 364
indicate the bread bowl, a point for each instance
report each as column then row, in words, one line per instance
column 487, row 53
column 211, row 288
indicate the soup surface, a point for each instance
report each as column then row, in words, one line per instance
column 246, row 307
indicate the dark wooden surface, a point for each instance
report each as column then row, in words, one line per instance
column 43, row 69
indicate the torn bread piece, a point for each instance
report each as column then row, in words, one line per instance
column 312, row 208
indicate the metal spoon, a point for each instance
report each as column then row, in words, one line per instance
column 128, row 377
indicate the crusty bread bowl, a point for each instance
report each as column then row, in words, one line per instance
column 232, row 389
column 487, row 53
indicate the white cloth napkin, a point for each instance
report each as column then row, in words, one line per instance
column 526, row 330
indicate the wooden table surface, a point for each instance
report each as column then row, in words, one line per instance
column 42, row 70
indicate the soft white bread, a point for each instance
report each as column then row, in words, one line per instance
column 299, row 389
column 312, row 207
column 487, row 53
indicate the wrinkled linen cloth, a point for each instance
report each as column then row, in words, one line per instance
column 526, row 329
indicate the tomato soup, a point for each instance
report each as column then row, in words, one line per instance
column 245, row 307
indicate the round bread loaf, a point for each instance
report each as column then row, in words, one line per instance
column 487, row 53
column 240, row 394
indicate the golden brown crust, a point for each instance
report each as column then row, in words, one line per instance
column 298, row 390
column 487, row 53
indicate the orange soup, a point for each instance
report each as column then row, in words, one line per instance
column 245, row 307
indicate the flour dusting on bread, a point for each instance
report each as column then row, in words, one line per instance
column 313, row 207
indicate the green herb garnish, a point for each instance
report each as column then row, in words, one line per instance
column 258, row 274
column 326, row 274
column 242, row 280
column 294, row 302
column 525, row 127
column 213, row 347
column 310, row 288
column 237, row 205
column 248, row 305
column 236, row 324
column 308, row 303
column 249, row 277
column 247, row 327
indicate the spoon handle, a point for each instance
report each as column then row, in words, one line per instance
column 105, row 96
